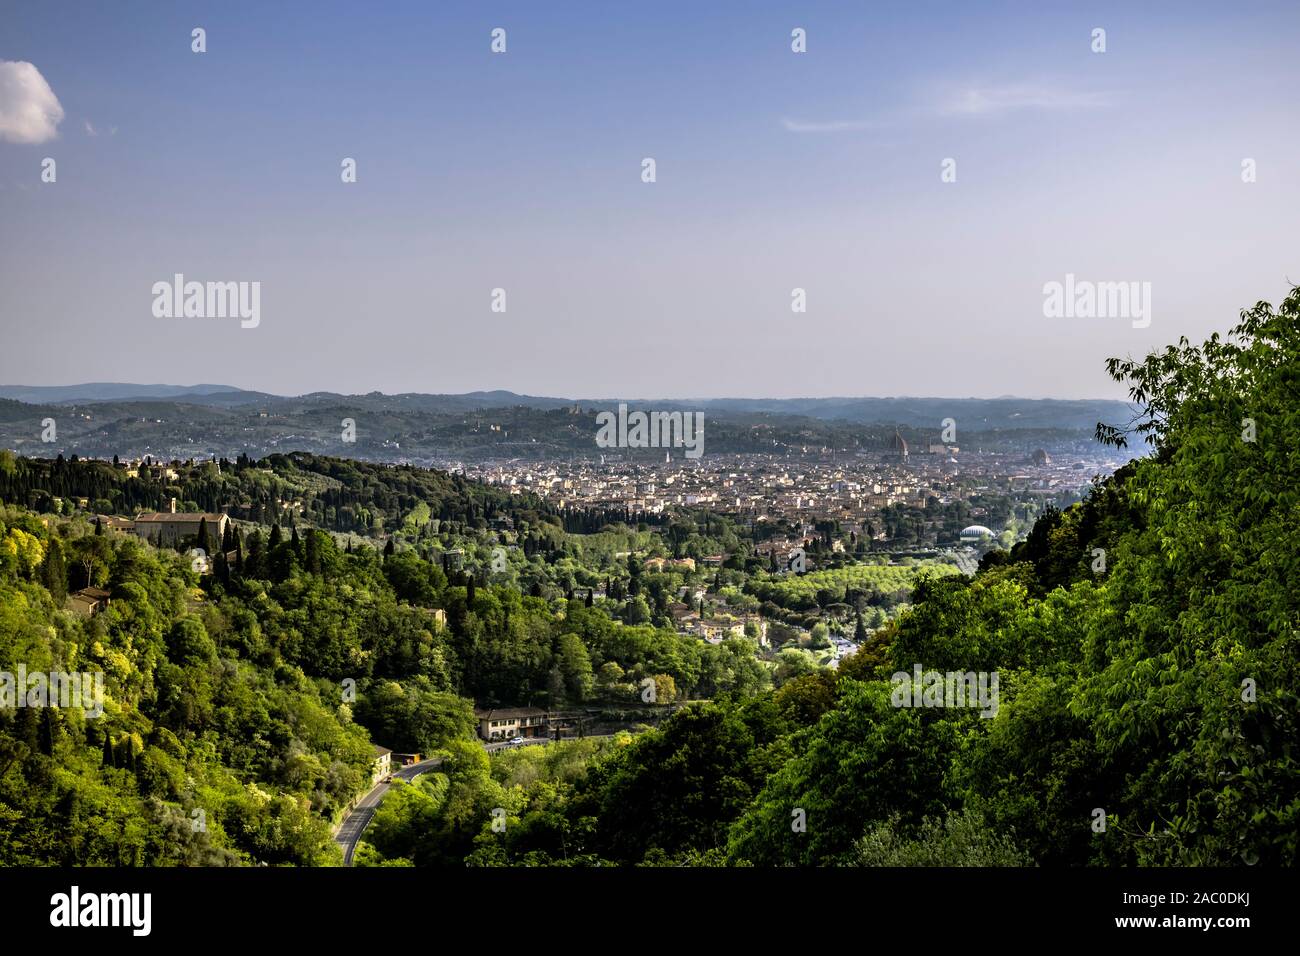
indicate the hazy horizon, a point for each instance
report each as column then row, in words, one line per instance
column 574, row 397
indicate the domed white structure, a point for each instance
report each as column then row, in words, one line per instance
column 977, row 532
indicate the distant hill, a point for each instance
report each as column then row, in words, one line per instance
column 1001, row 412
column 174, row 421
column 123, row 392
column 970, row 413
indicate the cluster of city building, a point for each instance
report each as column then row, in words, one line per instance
column 848, row 489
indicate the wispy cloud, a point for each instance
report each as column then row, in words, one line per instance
column 994, row 100
column 828, row 126
column 90, row 129
column 972, row 100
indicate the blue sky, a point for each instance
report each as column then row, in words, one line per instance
column 521, row 171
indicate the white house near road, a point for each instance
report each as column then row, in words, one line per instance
column 383, row 765
column 509, row 722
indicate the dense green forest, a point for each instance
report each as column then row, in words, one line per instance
column 249, row 696
column 1145, row 640
column 335, row 494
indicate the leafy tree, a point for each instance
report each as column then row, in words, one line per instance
column 959, row 839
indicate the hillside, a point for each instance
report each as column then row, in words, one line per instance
column 215, row 421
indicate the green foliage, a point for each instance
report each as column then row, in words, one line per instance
column 679, row 787
column 865, row 760
column 959, row 839
column 801, row 591
column 412, row 717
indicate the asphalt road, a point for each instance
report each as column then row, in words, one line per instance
column 355, row 823
column 507, row 745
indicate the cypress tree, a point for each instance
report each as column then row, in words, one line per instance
column 54, row 572
column 253, row 566
column 313, row 553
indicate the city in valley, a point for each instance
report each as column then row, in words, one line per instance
column 719, row 541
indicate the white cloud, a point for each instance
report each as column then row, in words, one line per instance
column 986, row 100
column 90, row 128
column 29, row 110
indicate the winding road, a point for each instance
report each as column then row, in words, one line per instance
column 359, row 817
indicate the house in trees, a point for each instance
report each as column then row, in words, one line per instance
column 683, row 614
column 120, row 525
column 660, row 564
column 150, row 471
column 167, row 528
column 506, row 723
column 88, row 601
